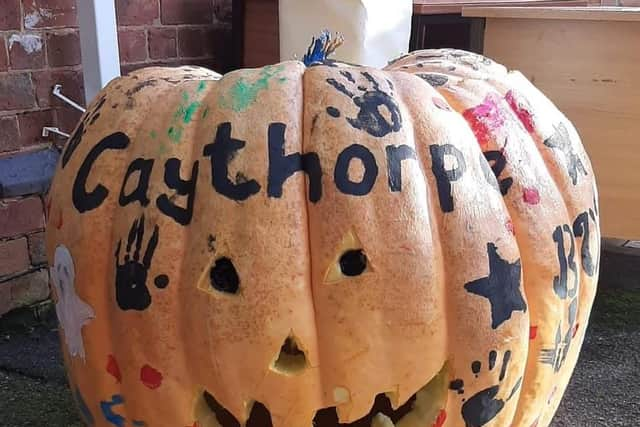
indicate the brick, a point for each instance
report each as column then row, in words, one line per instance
column 26, row 51
column 163, row 43
column 132, row 45
column 63, row 48
column 49, row 13
column 5, row 298
column 67, row 118
column 9, row 15
column 14, row 256
column 223, row 10
column 31, row 124
column 20, row 216
column 9, row 135
column 186, row 12
column 196, row 42
column 37, row 249
column 136, row 12
column 72, row 86
column 4, row 58
column 27, row 289
column 16, row 92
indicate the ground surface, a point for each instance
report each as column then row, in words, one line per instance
column 604, row 390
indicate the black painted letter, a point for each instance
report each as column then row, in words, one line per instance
column 282, row 166
column 222, row 151
column 395, row 156
column 581, row 229
column 85, row 201
column 144, row 166
column 183, row 188
column 341, row 172
column 566, row 262
column 498, row 162
column 444, row 176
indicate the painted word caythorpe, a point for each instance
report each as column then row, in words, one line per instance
column 281, row 167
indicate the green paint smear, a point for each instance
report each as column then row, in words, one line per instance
column 153, row 134
column 190, row 111
column 243, row 94
column 175, row 133
column 205, row 112
column 184, row 113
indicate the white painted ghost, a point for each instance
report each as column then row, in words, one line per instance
column 73, row 313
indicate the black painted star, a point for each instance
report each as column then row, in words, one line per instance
column 560, row 140
column 501, row 287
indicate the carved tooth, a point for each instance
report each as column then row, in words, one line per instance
column 381, row 420
column 341, row 395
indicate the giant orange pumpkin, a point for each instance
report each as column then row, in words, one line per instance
column 327, row 245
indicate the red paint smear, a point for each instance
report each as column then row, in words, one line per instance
column 533, row 332
column 441, row 104
column 48, row 207
column 485, row 118
column 60, row 221
column 509, row 225
column 575, row 330
column 553, row 392
column 150, row 377
column 525, row 116
column 531, row 196
column 442, row 416
column 113, row 368
column 535, row 423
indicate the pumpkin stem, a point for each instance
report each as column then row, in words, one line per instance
column 322, row 47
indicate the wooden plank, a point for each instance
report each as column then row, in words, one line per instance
column 436, row 7
column 564, row 13
column 585, row 69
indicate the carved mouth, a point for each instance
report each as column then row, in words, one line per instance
column 422, row 409
column 381, row 414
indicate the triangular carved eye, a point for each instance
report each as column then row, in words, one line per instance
column 350, row 260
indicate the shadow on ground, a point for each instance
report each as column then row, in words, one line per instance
column 604, row 389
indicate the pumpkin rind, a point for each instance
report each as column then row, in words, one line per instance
column 313, row 237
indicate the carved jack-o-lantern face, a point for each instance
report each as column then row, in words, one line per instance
column 329, row 246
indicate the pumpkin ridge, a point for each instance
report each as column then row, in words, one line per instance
column 572, row 208
column 536, row 142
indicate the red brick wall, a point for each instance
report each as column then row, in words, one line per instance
column 39, row 47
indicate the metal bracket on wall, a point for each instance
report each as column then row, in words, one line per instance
column 57, row 92
column 49, row 130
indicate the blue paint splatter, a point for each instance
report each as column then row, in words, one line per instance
column 87, row 416
column 107, row 411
